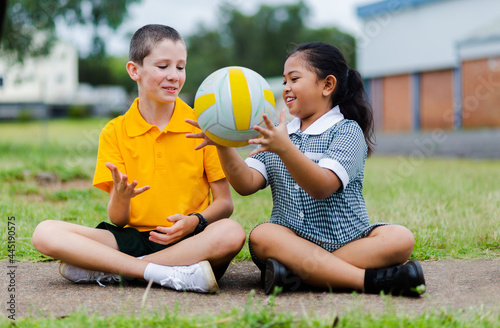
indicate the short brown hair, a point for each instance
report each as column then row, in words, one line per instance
column 145, row 38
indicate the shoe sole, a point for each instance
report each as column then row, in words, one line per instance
column 272, row 266
column 213, row 287
column 62, row 270
column 277, row 275
column 420, row 288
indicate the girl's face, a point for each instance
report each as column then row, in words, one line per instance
column 302, row 91
column 162, row 74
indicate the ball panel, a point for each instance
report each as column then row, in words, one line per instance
column 231, row 134
column 240, row 97
column 224, row 142
column 207, row 118
column 269, row 96
column 203, row 102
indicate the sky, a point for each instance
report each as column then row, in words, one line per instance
column 186, row 15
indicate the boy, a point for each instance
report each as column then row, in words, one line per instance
column 158, row 231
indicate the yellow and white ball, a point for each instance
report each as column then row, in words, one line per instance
column 229, row 102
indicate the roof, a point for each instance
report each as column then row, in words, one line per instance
column 487, row 33
column 389, row 6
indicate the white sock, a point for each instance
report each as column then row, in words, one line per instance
column 156, row 272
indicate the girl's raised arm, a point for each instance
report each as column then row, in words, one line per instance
column 242, row 178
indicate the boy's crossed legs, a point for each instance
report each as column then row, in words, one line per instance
column 97, row 250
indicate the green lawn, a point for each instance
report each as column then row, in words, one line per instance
column 452, row 206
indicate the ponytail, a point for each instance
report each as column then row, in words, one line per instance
column 355, row 105
column 349, row 92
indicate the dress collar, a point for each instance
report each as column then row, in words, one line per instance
column 329, row 119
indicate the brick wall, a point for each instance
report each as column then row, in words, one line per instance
column 396, row 103
column 481, row 93
column 436, row 100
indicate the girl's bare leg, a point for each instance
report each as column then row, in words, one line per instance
column 343, row 268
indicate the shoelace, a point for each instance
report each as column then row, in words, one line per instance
column 182, row 279
column 101, row 277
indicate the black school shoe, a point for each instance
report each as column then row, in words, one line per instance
column 405, row 279
column 277, row 275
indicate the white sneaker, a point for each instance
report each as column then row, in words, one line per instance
column 79, row 275
column 197, row 277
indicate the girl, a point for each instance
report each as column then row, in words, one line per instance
column 319, row 232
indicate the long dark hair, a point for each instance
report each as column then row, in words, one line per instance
column 349, row 92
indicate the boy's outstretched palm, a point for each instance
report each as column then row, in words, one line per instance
column 121, row 186
column 200, row 135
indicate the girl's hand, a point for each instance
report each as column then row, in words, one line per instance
column 182, row 226
column 121, row 187
column 200, row 135
column 274, row 139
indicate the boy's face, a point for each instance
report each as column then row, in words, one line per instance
column 162, row 73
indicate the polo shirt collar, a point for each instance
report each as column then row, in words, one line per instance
column 329, row 119
column 136, row 125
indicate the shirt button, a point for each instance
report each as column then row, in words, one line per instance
column 159, row 154
column 296, row 187
column 158, row 140
column 301, row 214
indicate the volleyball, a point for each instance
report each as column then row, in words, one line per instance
column 230, row 102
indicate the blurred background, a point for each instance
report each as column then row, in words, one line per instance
column 431, row 69
column 426, row 64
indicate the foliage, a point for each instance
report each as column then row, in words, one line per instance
column 259, row 41
column 107, row 70
column 29, row 27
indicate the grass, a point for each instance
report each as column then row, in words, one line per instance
column 452, row 206
column 257, row 314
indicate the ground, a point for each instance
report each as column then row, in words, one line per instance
column 451, row 285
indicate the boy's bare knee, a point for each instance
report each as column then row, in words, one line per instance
column 43, row 235
column 229, row 235
column 237, row 233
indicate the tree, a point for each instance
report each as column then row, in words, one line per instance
column 259, row 41
column 106, row 70
column 3, row 10
column 29, row 26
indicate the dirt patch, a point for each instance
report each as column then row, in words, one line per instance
column 451, row 285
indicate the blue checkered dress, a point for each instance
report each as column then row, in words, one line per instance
column 334, row 143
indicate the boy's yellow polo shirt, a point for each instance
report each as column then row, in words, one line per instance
column 165, row 160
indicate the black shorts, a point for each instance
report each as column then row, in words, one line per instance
column 132, row 241
column 136, row 243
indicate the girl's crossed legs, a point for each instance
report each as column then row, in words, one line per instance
column 385, row 246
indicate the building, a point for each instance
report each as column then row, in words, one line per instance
column 48, row 86
column 431, row 64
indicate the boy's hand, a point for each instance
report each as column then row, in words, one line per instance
column 121, row 186
column 200, row 135
column 182, row 226
column 274, row 139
